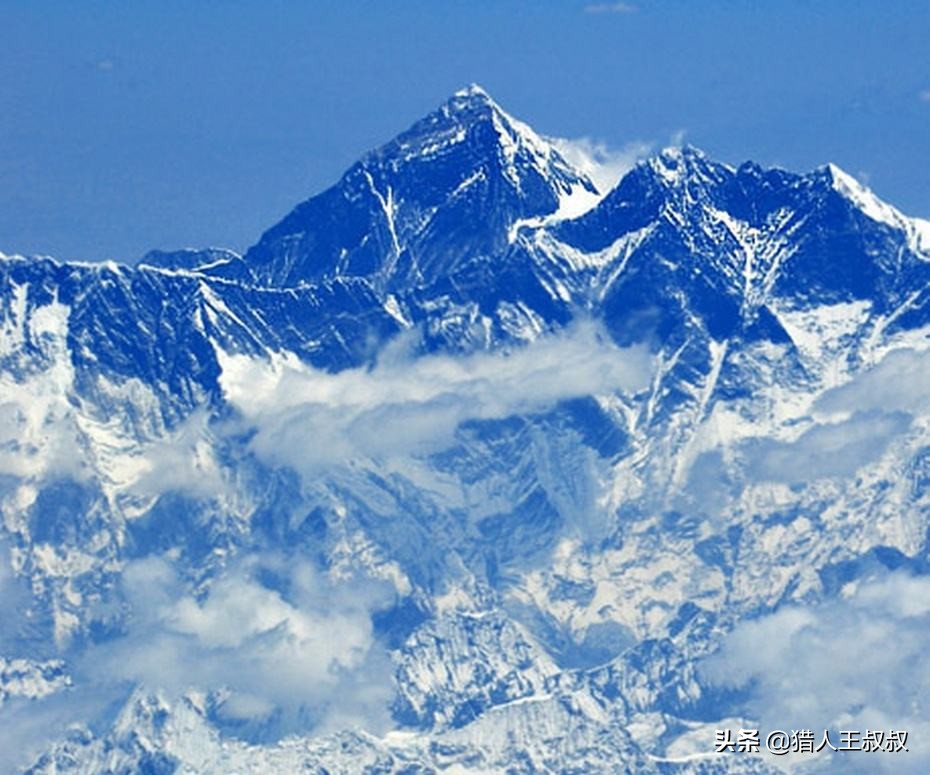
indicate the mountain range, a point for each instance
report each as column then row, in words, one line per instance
column 470, row 466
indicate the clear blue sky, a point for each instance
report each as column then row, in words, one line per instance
column 127, row 125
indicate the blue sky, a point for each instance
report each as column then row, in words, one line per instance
column 128, row 126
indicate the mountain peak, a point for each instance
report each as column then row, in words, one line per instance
column 474, row 92
column 472, row 101
column 467, row 169
column 863, row 199
column 847, row 186
column 679, row 164
column 469, row 105
column 472, row 106
column 466, row 105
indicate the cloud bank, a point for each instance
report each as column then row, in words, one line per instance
column 304, row 418
column 860, row 662
column 896, row 383
column 616, row 7
column 827, row 449
column 276, row 647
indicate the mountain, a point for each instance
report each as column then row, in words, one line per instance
column 464, row 466
column 440, row 196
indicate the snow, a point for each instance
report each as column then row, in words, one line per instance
column 216, row 264
column 468, row 182
column 31, row 678
column 472, row 90
column 863, row 198
column 573, row 203
column 440, row 144
column 917, row 230
column 37, row 436
column 922, row 233
column 392, row 306
column 669, row 166
column 215, row 305
column 821, row 331
column 388, row 207
column 15, row 322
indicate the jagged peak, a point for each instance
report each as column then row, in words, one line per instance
column 472, row 104
column 858, row 194
column 467, row 157
column 474, row 93
column 518, row 146
column 870, row 205
column 467, row 106
column 677, row 164
column 685, row 152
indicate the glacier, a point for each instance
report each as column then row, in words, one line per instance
column 470, row 466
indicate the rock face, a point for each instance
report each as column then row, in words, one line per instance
column 465, row 464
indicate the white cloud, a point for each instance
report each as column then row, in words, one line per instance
column 403, row 406
column 300, row 653
column 38, row 434
column 848, row 429
column 182, row 460
column 850, row 426
column 605, row 166
column 859, row 662
column 288, row 656
column 897, row 383
column 15, row 598
column 826, row 450
column 924, row 96
column 35, row 725
column 616, row 7
column 282, row 662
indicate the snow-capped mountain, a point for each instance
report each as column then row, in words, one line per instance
column 442, row 195
column 464, row 466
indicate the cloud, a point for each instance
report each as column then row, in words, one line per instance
column 276, row 646
column 37, row 702
column 280, row 648
column 896, row 383
column 825, row 450
column 406, row 406
column 859, row 662
column 38, row 434
column 924, row 96
column 182, row 460
column 272, row 645
column 605, row 166
column 15, row 599
column 35, row 725
column 849, row 427
column 617, row 7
